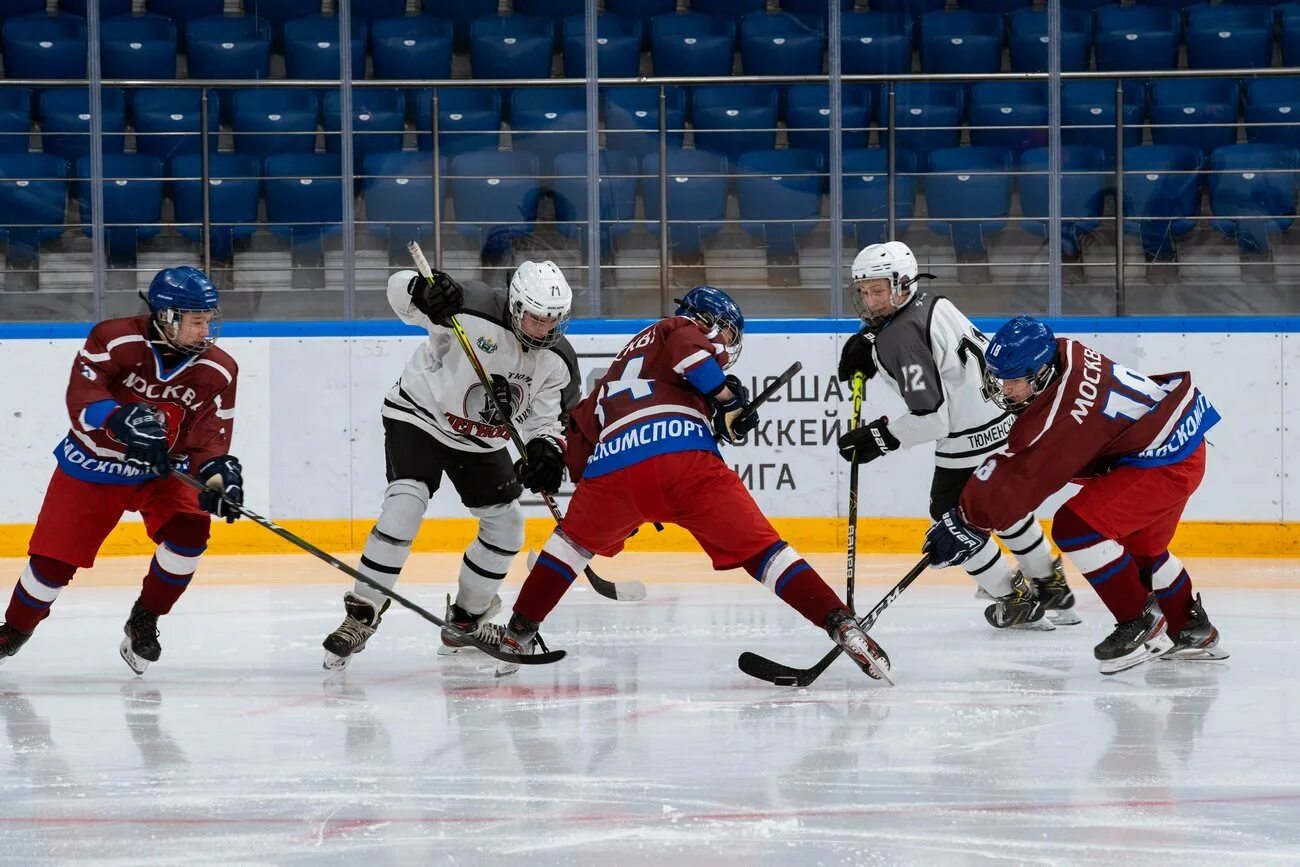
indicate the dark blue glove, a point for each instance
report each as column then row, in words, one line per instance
column 950, row 542
column 139, row 427
column 730, row 419
column 225, row 480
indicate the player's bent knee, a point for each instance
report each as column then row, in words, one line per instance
column 189, row 532
column 51, row 571
column 405, row 501
column 501, row 526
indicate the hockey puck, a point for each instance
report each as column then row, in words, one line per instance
column 785, row 681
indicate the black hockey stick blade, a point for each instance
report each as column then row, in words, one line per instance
column 762, row 668
column 623, row 591
column 464, row 637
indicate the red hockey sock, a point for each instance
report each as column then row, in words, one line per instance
column 785, row 573
column 182, row 540
column 40, row 584
column 1172, row 586
column 1109, row 568
column 557, row 565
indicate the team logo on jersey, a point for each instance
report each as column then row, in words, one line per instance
column 487, row 344
column 480, row 405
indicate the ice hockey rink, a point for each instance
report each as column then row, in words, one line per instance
column 646, row 745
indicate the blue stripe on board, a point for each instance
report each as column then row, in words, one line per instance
column 393, row 328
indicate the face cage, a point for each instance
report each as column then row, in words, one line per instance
column 517, row 313
column 1037, row 382
column 713, row 323
column 896, row 299
column 169, row 325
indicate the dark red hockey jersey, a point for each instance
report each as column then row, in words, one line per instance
column 1094, row 416
column 118, row 365
column 651, row 401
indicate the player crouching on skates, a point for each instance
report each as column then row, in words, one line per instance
column 437, row 419
column 643, row 447
column 1136, row 445
column 146, row 393
column 933, row 357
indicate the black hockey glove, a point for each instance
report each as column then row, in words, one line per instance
column 225, row 480
column 140, row 428
column 950, row 542
column 857, row 355
column 866, row 443
column 439, row 300
column 543, row 471
column 730, row 419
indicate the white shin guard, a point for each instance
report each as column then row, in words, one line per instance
column 488, row 557
column 389, row 543
column 1027, row 542
column 989, row 570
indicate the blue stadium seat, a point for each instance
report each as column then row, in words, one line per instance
column 782, row 44
column 460, row 13
column 39, row 47
column 1085, row 5
column 735, row 9
column 138, row 47
column 132, row 196
column 411, row 48
column 780, row 197
column 277, row 12
column 548, row 121
column 866, row 193
column 16, row 8
column 1083, row 195
column 1087, row 104
column 1172, row 4
column 908, row 93
column 697, row 198
column 875, row 43
column 814, row 7
column 64, row 117
column 511, row 46
column 617, row 187
column 160, row 114
column 1289, row 38
column 556, row 10
column 469, row 119
column 735, row 119
column 275, row 121
column 378, row 122
column 107, row 8
column 968, row 208
column 311, row 48
column 1229, row 37
column 961, row 41
column 618, row 46
column 995, row 6
column 33, row 199
column 1004, row 113
column 632, row 118
column 304, row 203
column 642, row 11
column 1162, row 194
column 15, row 120
column 234, row 190
column 808, row 117
column 495, row 195
column 374, row 10
column 923, row 129
column 1253, row 192
column 1194, row 101
column 183, row 12
column 220, row 47
column 692, row 45
column 912, row 9
column 1136, row 37
column 1028, row 40
column 398, row 189
column 1273, row 101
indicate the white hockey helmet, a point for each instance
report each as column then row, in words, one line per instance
column 540, row 303
column 893, row 261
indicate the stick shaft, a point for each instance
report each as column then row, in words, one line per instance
column 851, row 555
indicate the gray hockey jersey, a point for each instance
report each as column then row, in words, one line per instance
column 440, row 393
column 933, row 356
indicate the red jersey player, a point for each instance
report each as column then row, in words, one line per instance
column 643, row 447
column 1135, row 444
column 146, row 393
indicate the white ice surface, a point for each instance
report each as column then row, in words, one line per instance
column 647, row 745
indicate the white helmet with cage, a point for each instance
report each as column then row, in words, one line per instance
column 893, row 261
column 540, row 303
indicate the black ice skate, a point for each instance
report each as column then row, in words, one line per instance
column 1198, row 640
column 1018, row 609
column 520, row 638
column 860, row 647
column 1135, row 641
column 1056, row 596
column 140, row 647
column 11, row 640
column 353, row 632
column 476, row 625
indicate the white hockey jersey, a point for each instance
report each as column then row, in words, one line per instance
column 440, row 393
column 933, row 356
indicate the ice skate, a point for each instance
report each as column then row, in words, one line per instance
column 518, row 637
column 477, row 625
column 1018, row 609
column 1199, row 639
column 140, row 646
column 1056, row 596
column 11, row 640
column 360, row 623
column 1135, row 641
column 860, row 647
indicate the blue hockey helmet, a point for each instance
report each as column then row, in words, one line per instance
column 714, row 308
column 174, row 294
column 1023, row 348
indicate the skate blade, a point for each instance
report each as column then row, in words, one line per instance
column 1196, row 654
column 1064, row 617
column 505, row 669
column 335, row 663
column 1040, row 625
column 983, row 595
column 447, row 650
column 1153, row 648
column 136, row 663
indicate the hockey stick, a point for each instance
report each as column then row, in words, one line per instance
column 533, row 659
column 851, row 558
column 782, row 675
column 628, row 591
